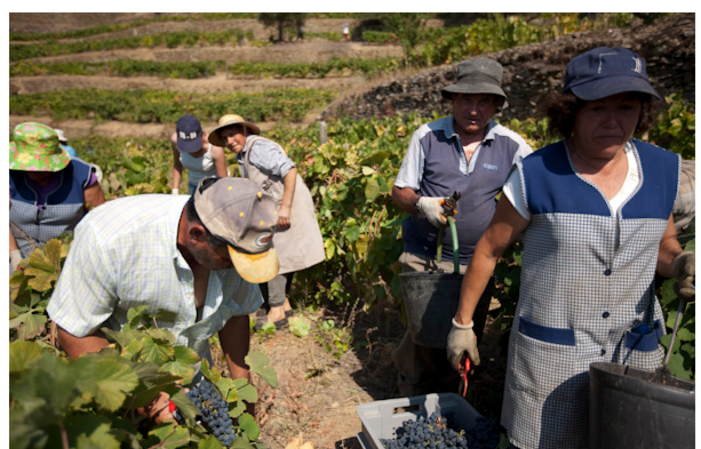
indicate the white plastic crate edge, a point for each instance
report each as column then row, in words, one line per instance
column 380, row 422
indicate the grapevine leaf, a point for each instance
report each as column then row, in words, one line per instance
column 42, row 272
column 114, row 380
column 53, row 250
column 184, row 405
column 182, row 365
column 210, row 442
column 171, row 436
column 299, row 326
column 361, row 246
column 248, row 393
column 90, row 431
column 353, row 233
column 24, row 433
column 248, row 424
column 242, row 443
column 330, row 246
column 259, row 364
column 23, row 354
column 228, row 390
column 684, row 334
column 123, row 338
column 158, row 353
column 33, row 326
column 135, row 316
column 151, row 383
column 372, row 189
column 375, row 159
column 54, row 380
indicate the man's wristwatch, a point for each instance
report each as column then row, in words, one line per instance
column 416, row 203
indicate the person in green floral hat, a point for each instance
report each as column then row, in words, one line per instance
column 49, row 191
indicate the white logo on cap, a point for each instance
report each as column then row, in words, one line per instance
column 184, row 136
column 601, row 61
column 638, row 65
column 263, row 239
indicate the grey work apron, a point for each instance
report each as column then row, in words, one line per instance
column 301, row 245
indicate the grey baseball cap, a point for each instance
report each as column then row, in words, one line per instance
column 477, row 76
column 237, row 211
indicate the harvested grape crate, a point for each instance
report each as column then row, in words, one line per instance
column 381, row 419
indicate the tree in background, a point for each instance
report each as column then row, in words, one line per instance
column 283, row 20
column 407, row 27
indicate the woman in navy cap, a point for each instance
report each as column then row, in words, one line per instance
column 595, row 212
column 191, row 150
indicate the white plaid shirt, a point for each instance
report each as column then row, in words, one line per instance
column 124, row 255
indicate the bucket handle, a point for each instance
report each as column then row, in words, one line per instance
column 439, row 249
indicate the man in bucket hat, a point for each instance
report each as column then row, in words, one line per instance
column 466, row 152
column 199, row 258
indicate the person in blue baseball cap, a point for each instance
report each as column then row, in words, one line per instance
column 191, row 150
column 595, row 213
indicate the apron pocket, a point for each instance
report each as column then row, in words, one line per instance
column 643, row 339
column 547, row 334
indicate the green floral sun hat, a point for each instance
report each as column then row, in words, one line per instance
column 35, row 148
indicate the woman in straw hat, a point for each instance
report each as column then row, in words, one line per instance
column 49, row 191
column 298, row 237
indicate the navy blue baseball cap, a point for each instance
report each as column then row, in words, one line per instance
column 604, row 71
column 189, row 132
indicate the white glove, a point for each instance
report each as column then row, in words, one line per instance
column 460, row 339
column 684, row 268
column 175, row 192
column 15, row 259
column 432, row 208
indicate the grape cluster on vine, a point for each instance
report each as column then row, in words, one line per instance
column 438, row 432
column 214, row 411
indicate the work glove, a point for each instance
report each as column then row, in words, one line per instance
column 15, row 259
column 460, row 339
column 684, row 269
column 432, row 208
column 175, row 192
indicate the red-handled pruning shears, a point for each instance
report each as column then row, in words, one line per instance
column 463, row 370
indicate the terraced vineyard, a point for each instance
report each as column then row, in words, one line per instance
column 117, row 85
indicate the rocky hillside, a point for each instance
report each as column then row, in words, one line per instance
column 531, row 71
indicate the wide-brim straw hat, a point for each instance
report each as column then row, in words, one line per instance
column 477, row 76
column 35, row 147
column 226, row 121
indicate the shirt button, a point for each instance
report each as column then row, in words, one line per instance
column 603, row 352
column 605, row 315
column 607, row 272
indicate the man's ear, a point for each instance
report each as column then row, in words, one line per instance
column 197, row 232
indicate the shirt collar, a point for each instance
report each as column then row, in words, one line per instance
column 488, row 135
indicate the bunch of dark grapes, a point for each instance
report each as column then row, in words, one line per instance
column 437, row 432
column 214, row 411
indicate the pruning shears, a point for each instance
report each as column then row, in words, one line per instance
column 450, row 203
column 464, row 369
column 449, row 210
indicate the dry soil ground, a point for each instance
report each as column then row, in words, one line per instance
column 317, row 395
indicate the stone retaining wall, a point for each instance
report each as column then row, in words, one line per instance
column 534, row 70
